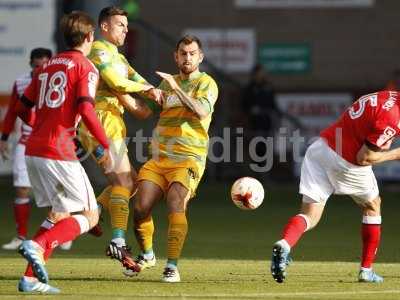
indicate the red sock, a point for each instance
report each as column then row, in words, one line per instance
column 21, row 214
column 371, row 235
column 294, row 229
column 47, row 252
column 63, row 231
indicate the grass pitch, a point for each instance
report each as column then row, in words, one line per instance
column 226, row 255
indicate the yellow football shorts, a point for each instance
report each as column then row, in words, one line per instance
column 115, row 130
column 165, row 171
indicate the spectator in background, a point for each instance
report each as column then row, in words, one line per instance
column 394, row 83
column 258, row 101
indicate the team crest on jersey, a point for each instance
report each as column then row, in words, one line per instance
column 387, row 134
column 103, row 56
column 172, row 101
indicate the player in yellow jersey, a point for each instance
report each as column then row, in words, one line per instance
column 179, row 151
column 116, row 76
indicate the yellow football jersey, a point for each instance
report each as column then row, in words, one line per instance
column 179, row 133
column 115, row 74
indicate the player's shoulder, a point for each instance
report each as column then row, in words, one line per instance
column 208, row 80
column 23, row 78
column 100, row 52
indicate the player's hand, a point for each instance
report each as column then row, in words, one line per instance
column 147, row 87
column 4, row 154
column 107, row 161
column 169, row 78
column 157, row 95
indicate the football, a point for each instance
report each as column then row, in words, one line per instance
column 247, row 193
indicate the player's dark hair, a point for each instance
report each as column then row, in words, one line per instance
column 110, row 11
column 40, row 53
column 188, row 39
column 75, row 28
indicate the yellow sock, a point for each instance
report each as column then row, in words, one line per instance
column 144, row 230
column 177, row 231
column 119, row 207
column 104, row 198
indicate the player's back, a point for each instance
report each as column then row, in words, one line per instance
column 57, row 89
column 372, row 119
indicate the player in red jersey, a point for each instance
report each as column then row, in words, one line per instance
column 340, row 162
column 22, row 206
column 62, row 91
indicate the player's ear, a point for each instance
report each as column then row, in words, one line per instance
column 176, row 56
column 104, row 26
column 90, row 36
column 201, row 55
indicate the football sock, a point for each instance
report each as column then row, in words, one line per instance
column 177, row 231
column 295, row 228
column 63, row 231
column 144, row 230
column 119, row 211
column 172, row 264
column 371, row 234
column 22, row 210
column 104, row 198
column 46, row 225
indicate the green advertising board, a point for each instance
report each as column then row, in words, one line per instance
column 285, row 58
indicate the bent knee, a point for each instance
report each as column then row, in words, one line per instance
column 92, row 216
column 57, row 216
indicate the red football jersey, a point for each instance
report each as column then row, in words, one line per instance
column 56, row 90
column 373, row 119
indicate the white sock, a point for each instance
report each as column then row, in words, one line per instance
column 283, row 244
column 119, row 241
column 83, row 223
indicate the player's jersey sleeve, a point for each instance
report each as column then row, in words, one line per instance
column 103, row 60
column 133, row 75
column 30, row 96
column 87, row 83
column 207, row 93
column 11, row 115
column 385, row 128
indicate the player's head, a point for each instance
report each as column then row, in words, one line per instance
column 39, row 56
column 78, row 30
column 113, row 24
column 188, row 54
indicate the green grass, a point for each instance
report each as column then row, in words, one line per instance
column 226, row 254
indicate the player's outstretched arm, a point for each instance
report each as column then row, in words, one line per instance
column 92, row 123
column 370, row 155
column 135, row 107
column 198, row 107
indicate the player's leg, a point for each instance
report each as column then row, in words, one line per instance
column 147, row 196
column 47, row 224
column 308, row 217
column 120, row 179
column 22, row 205
column 371, row 234
column 177, row 199
column 365, row 192
column 151, row 187
column 316, row 187
column 22, row 209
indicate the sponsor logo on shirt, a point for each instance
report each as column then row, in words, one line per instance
column 387, row 134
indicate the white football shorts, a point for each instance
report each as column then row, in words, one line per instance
column 324, row 172
column 62, row 185
column 20, row 172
